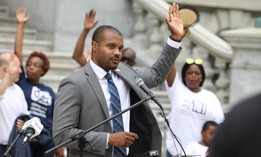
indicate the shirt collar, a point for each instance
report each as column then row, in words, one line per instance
column 98, row 70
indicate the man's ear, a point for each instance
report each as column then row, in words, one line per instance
column 94, row 46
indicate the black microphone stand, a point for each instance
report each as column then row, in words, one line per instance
column 6, row 154
column 167, row 122
column 80, row 136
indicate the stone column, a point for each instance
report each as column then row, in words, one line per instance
column 245, row 79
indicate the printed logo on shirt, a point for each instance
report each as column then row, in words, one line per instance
column 41, row 100
column 38, row 110
column 41, row 97
column 195, row 106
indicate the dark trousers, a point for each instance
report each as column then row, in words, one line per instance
column 2, row 149
column 39, row 150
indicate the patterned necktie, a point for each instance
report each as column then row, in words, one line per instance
column 116, row 108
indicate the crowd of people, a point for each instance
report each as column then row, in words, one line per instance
column 103, row 86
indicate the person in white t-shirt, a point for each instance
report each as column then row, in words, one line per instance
column 192, row 105
column 201, row 148
column 12, row 100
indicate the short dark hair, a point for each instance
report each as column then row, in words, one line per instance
column 99, row 32
column 207, row 124
column 185, row 68
column 129, row 49
column 46, row 65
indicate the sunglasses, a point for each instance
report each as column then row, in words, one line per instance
column 123, row 58
column 194, row 61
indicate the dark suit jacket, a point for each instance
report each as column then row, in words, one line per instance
column 81, row 104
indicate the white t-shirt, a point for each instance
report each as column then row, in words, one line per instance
column 12, row 104
column 196, row 149
column 189, row 112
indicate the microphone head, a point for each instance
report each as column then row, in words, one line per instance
column 33, row 124
column 139, row 82
column 29, row 131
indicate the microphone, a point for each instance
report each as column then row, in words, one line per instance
column 145, row 89
column 32, row 128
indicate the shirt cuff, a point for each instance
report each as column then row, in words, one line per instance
column 107, row 142
column 173, row 43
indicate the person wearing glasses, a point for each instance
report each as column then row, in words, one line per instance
column 128, row 54
column 39, row 97
column 191, row 105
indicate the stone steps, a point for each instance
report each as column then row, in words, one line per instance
column 10, row 32
column 3, row 11
column 39, row 45
column 162, row 97
column 53, row 81
column 56, row 57
column 56, row 73
column 8, row 21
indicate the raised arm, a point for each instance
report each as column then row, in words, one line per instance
column 89, row 23
column 175, row 23
column 158, row 72
column 171, row 76
column 22, row 18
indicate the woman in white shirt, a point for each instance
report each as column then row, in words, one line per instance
column 192, row 105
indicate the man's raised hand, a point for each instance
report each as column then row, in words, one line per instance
column 175, row 23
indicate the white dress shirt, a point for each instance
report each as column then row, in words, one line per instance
column 12, row 104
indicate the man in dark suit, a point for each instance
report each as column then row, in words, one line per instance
column 83, row 99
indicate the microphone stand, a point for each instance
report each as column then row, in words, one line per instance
column 6, row 154
column 161, row 108
column 167, row 122
column 80, row 136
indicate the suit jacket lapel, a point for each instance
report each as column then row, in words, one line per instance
column 130, row 78
column 125, row 74
column 96, row 87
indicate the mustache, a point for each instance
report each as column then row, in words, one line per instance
column 116, row 57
